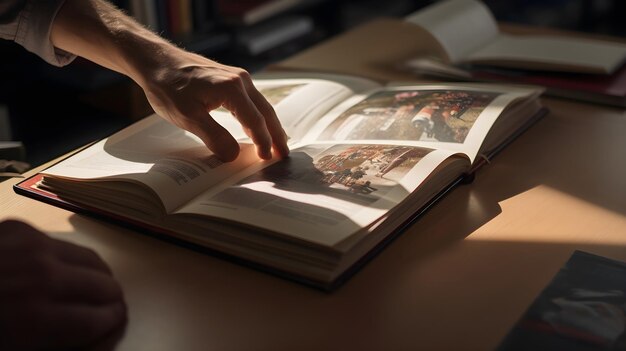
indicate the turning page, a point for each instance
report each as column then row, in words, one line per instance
column 176, row 165
column 172, row 162
column 299, row 100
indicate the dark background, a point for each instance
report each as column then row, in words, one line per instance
column 54, row 110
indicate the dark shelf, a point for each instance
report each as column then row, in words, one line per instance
column 54, row 110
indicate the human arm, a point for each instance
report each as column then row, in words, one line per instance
column 53, row 295
column 28, row 23
column 182, row 87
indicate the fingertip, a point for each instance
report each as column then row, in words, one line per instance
column 227, row 154
column 264, row 153
column 282, row 150
column 283, row 146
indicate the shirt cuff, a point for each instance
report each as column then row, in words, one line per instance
column 34, row 28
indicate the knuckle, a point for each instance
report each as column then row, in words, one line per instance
column 232, row 81
column 242, row 74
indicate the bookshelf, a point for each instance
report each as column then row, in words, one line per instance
column 93, row 101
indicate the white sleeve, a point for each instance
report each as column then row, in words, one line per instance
column 29, row 23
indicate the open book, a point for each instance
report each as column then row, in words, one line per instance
column 364, row 160
column 465, row 31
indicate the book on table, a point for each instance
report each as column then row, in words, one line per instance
column 465, row 31
column 465, row 43
column 583, row 308
column 365, row 160
column 596, row 88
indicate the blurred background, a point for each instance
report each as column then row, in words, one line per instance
column 54, row 110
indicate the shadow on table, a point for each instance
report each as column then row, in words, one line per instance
column 423, row 288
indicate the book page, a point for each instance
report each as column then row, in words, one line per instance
column 452, row 117
column 459, row 26
column 551, row 53
column 172, row 162
column 298, row 102
column 322, row 193
column 176, row 165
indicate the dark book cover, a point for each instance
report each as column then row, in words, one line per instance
column 582, row 309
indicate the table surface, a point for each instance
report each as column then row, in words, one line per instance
column 457, row 279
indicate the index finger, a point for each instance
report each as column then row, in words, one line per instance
column 279, row 137
column 243, row 108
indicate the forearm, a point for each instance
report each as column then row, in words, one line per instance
column 182, row 87
column 97, row 31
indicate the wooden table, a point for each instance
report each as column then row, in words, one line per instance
column 456, row 280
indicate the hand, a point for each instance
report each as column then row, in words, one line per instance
column 181, row 86
column 184, row 87
column 53, row 294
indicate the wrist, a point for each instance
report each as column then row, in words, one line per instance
column 146, row 55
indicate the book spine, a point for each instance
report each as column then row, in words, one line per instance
column 185, row 18
column 173, row 16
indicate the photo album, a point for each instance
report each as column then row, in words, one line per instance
column 365, row 160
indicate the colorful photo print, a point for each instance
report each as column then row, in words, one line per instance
column 425, row 115
column 357, row 173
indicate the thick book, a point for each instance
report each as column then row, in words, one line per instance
column 465, row 31
column 582, row 309
column 596, row 88
column 365, row 160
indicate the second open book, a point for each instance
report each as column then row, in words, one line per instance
column 364, row 159
column 465, row 31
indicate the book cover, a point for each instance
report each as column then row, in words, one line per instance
column 597, row 88
column 582, row 309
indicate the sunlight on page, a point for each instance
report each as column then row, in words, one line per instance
column 544, row 214
column 344, row 207
column 326, row 191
